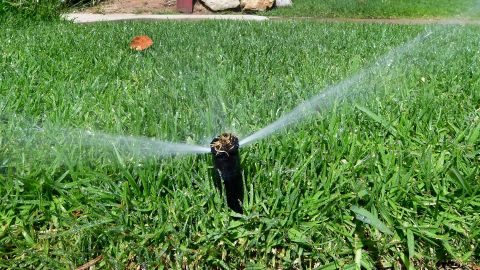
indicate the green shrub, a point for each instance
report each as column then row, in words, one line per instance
column 39, row 9
column 33, row 9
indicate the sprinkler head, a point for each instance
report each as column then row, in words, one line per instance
column 226, row 162
column 224, row 144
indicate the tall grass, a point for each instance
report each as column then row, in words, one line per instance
column 390, row 179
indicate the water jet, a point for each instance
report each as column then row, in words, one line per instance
column 341, row 91
column 227, row 169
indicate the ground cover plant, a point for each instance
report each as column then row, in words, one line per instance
column 46, row 9
column 389, row 178
column 379, row 8
column 40, row 9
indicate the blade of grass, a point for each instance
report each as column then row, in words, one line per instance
column 473, row 137
column 377, row 118
column 410, row 243
column 366, row 217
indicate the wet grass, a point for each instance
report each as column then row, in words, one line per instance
column 389, row 178
column 380, row 9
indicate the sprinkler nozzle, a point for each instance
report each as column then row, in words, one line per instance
column 227, row 169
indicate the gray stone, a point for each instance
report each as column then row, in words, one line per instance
column 217, row 5
column 283, row 3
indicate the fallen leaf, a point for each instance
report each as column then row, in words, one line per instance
column 77, row 213
column 140, row 43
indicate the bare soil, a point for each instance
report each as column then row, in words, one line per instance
column 142, row 6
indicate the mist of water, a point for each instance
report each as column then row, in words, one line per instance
column 145, row 147
column 336, row 92
column 36, row 140
column 141, row 146
column 346, row 88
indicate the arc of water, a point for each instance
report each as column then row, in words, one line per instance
column 138, row 146
column 331, row 93
column 142, row 146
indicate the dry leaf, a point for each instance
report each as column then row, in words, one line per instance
column 140, row 43
column 90, row 263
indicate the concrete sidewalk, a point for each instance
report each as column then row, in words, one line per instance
column 90, row 17
column 97, row 17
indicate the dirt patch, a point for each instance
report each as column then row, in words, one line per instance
column 142, row 6
column 134, row 6
column 170, row 7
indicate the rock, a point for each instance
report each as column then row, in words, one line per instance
column 217, row 5
column 256, row 5
column 283, row 3
column 199, row 7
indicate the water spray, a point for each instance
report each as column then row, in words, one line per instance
column 227, row 169
column 340, row 91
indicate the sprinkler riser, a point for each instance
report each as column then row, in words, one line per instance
column 227, row 170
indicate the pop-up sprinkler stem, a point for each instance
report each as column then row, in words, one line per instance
column 227, row 169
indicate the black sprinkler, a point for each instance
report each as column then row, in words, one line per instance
column 227, row 169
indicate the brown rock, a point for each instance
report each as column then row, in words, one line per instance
column 256, row 5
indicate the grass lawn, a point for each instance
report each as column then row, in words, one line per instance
column 380, row 8
column 388, row 178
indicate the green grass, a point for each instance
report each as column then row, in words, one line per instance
column 390, row 177
column 30, row 9
column 379, row 8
